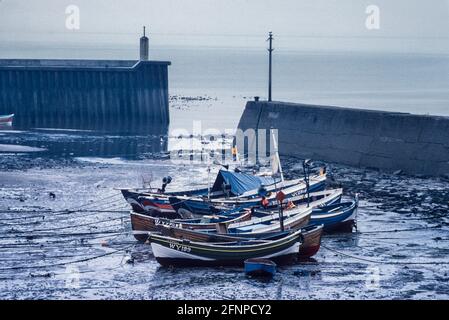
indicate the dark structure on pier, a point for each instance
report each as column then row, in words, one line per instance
column 86, row 93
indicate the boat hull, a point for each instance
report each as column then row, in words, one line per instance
column 199, row 206
column 155, row 201
column 260, row 268
column 142, row 224
column 311, row 241
column 310, row 246
column 342, row 220
column 153, row 205
column 181, row 253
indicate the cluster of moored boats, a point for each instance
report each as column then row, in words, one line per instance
column 241, row 217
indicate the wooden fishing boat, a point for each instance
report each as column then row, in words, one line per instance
column 310, row 246
column 146, row 201
column 6, row 120
column 227, row 186
column 175, row 252
column 340, row 217
column 143, row 223
column 211, row 237
column 311, row 241
column 293, row 219
column 260, row 267
column 201, row 206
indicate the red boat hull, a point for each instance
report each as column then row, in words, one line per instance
column 311, row 243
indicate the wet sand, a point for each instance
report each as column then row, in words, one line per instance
column 398, row 252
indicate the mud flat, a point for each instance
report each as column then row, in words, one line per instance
column 399, row 251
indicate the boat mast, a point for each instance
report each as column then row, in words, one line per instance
column 208, row 182
column 275, row 145
column 306, row 168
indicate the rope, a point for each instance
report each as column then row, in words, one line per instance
column 98, row 235
column 66, row 227
column 402, row 230
column 32, row 236
column 67, row 263
column 43, row 256
column 383, row 262
column 15, row 277
column 63, row 212
column 124, row 212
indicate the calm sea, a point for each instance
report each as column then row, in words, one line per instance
column 228, row 77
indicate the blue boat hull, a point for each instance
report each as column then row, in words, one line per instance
column 260, row 269
column 336, row 218
column 204, row 208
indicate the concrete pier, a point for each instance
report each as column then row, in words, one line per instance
column 415, row 144
column 84, row 93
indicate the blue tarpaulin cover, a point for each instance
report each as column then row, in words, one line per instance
column 240, row 182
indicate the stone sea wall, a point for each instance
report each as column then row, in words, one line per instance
column 415, row 144
column 84, row 93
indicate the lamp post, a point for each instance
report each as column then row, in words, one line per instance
column 270, row 65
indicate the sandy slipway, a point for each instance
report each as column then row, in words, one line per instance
column 399, row 251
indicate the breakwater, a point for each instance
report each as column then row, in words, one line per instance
column 84, row 93
column 415, row 144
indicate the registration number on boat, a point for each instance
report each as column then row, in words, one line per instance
column 179, row 247
column 167, row 223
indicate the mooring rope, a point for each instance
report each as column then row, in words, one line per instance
column 45, row 256
column 67, row 263
column 39, row 235
column 70, row 242
column 402, row 230
column 53, row 219
column 383, row 262
column 111, row 205
column 76, row 209
column 64, row 227
column 55, row 274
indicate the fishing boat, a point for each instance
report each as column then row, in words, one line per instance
column 183, row 253
column 248, row 223
column 142, row 223
column 292, row 219
column 150, row 201
column 200, row 205
column 6, row 120
column 260, row 267
column 310, row 246
column 228, row 186
column 340, row 217
column 184, row 207
column 311, row 241
column 199, row 235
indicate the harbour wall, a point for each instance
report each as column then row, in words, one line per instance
column 84, row 93
column 414, row 144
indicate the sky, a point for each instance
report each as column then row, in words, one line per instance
column 318, row 25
